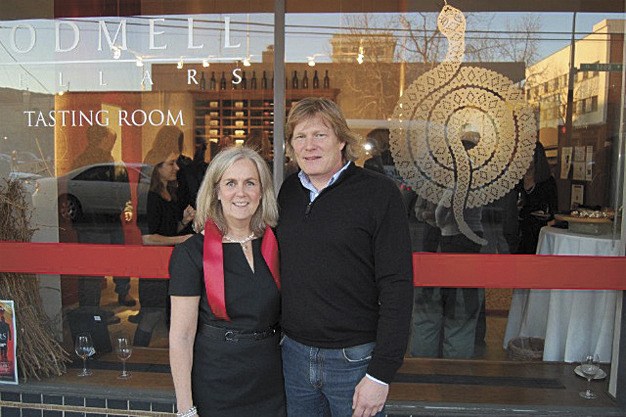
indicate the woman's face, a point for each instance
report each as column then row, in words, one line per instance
column 239, row 193
column 168, row 169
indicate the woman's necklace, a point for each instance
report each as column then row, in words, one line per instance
column 242, row 242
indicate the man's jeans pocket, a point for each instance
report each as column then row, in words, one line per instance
column 358, row 353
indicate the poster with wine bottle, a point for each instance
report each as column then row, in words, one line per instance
column 8, row 343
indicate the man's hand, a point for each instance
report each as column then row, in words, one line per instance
column 369, row 398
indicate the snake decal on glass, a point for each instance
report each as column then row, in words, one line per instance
column 434, row 113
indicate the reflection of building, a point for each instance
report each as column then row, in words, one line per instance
column 374, row 48
column 596, row 98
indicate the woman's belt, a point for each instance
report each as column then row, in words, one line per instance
column 232, row 335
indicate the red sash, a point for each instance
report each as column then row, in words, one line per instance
column 213, row 262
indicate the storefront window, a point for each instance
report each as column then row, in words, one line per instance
column 503, row 130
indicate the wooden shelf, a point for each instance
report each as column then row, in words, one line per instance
column 216, row 112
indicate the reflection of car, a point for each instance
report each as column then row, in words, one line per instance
column 97, row 191
column 29, row 162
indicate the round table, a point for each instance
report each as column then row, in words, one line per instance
column 572, row 322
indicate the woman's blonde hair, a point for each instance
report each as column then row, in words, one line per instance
column 208, row 207
column 331, row 114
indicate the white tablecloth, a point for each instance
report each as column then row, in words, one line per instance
column 572, row 322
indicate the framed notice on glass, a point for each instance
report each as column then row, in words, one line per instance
column 8, row 343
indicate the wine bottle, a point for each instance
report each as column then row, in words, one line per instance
column 305, row 80
column 316, row 80
column 253, row 81
column 294, row 81
column 202, row 82
column 326, row 80
column 264, row 82
column 212, row 83
column 244, row 81
column 223, row 82
column 272, row 84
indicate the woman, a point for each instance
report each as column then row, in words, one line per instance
column 224, row 341
column 167, row 224
column 538, row 201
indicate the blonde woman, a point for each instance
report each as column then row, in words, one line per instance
column 224, row 288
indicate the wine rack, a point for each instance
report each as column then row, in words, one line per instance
column 236, row 112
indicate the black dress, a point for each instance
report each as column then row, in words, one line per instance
column 242, row 378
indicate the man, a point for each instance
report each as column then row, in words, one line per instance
column 102, row 228
column 346, row 271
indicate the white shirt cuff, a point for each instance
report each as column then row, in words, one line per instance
column 376, row 380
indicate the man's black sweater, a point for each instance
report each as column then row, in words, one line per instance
column 346, row 267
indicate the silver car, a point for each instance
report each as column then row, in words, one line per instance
column 96, row 192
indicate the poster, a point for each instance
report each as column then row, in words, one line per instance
column 578, row 194
column 8, row 342
column 566, row 161
column 578, row 173
column 589, row 160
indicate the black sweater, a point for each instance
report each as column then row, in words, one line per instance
column 346, row 267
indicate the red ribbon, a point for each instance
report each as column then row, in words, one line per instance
column 213, row 262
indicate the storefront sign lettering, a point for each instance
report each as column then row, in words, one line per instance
column 74, row 118
column 23, row 36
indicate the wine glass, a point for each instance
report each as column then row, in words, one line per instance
column 124, row 349
column 590, row 367
column 84, row 349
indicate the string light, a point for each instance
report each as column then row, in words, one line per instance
column 180, row 63
column 206, row 63
column 139, row 62
column 360, row 57
column 117, row 52
column 311, row 61
column 246, row 62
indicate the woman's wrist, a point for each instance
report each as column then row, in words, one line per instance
column 193, row 411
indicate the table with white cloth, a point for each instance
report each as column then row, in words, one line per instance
column 572, row 322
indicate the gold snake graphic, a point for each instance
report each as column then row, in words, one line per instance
column 431, row 117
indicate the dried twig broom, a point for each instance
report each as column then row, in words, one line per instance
column 39, row 354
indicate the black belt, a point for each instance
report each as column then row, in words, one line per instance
column 232, row 335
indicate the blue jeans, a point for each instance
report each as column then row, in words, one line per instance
column 320, row 382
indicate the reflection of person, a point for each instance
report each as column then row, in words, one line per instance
column 102, row 228
column 224, row 334
column 5, row 337
column 448, row 317
column 167, row 224
column 346, row 268
column 260, row 142
column 226, row 142
column 538, row 200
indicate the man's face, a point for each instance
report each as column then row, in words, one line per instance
column 317, row 150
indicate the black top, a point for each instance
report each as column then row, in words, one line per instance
column 163, row 217
column 252, row 299
column 346, row 266
column 544, row 196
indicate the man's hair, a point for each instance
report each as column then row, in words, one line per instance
column 210, row 208
column 332, row 116
column 96, row 134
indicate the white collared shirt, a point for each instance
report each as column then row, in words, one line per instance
column 306, row 181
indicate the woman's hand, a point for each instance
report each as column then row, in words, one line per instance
column 188, row 215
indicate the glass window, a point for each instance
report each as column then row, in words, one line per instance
column 498, row 144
